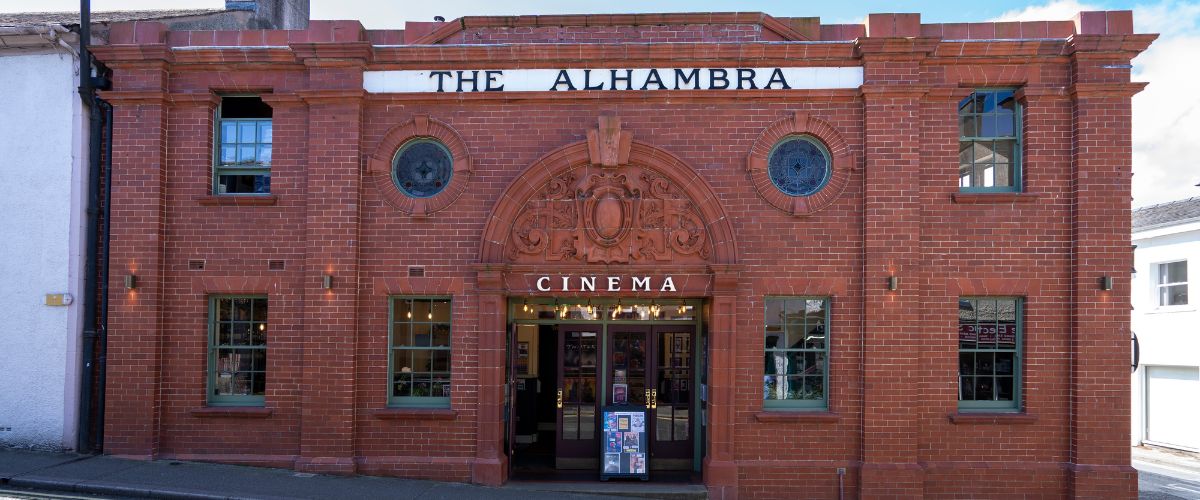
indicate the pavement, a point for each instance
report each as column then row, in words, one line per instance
column 82, row 476
column 1166, row 474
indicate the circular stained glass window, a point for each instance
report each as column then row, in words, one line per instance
column 799, row 166
column 422, row 168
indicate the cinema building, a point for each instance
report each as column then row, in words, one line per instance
column 885, row 259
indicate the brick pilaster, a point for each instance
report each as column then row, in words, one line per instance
column 720, row 467
column 332, row 247
column 138, row 233
column 491, row 463
column 1101, row 187
column 892, row 100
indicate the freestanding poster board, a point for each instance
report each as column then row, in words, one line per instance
column 624, row 448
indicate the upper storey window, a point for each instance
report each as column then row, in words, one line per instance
column 799, row 165
column 422, row 168
column 243, row 146
column 989, row 142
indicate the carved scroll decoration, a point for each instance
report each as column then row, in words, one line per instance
column 630, row 214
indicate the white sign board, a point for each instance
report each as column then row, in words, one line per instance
column 626, row 79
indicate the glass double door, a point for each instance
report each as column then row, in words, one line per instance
column 641, row 365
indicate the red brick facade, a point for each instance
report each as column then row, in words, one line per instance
column 893, row 208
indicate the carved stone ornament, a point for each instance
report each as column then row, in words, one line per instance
column 606, row 212
column 628, row 215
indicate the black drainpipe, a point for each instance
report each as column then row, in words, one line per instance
column 94, row 325
column 102, row 359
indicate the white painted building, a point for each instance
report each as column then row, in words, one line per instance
column 1166, row 319
column 43, row 174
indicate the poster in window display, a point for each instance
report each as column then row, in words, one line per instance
column 620, row 394
column 624, row 446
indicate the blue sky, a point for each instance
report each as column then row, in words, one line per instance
column 378, row 14
column 1166, row 124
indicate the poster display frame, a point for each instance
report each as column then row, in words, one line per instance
column 624, row 457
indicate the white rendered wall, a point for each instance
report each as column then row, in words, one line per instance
column 42, row 191
column 1169, row 336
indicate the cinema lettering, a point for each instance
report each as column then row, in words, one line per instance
column 611, row 79
column 605, row 284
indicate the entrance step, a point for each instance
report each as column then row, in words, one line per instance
column 617, row 488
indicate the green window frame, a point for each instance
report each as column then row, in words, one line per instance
column 237, row 350
column 419, row 339
column 990, row 343
column 796, row 353
column 989, row 142
column 242, row 150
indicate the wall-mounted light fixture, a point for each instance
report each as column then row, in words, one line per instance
column 327, row 281
column 130, row 281
column 893, row 283
column 1106, row 283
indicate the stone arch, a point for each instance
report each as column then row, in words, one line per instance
column 605, row 154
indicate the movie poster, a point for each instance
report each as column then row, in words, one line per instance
column 612, row 442
column 612, row 463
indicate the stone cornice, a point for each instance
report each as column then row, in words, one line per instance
column 1040, row 92
column 333, row 53
column 282, row 99
column 194, row 98
column 608, row 55
column 124, row 97
column 234, row 55
column 951, row 51
column 120, row 55
column 895, row 48
column 1079, row 45
column 894, row 90
column 332, row 96
column 1117, row 89
column 456, row 26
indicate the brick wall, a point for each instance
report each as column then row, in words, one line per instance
column 892, row 421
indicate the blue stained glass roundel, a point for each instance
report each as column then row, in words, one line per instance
column 799, row 166
column 422, row 168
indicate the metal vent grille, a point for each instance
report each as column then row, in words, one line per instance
column 275, row 265
column 416, row 271
column 196, row 265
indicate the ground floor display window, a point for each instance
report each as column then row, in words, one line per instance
column 989, row 353
column 796, row 354
column 419, row 363
column 237, row 350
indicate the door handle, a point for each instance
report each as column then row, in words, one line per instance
column 647, row 398
column 654, row 399
column 559, row 404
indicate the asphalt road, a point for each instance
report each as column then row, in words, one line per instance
column 1157, row 483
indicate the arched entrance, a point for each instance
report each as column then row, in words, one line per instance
column 611, row 231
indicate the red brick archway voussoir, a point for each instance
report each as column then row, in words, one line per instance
column 842, row 159
column 379, row 165
column 576, row 155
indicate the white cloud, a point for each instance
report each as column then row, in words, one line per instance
column 1166, row 116
column 1059, row 10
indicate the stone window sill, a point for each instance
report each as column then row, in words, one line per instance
column 237, row 200
column 415, row 414
column 994, row 198
column 790, row 416
column 985, row 418
column 231, row 412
